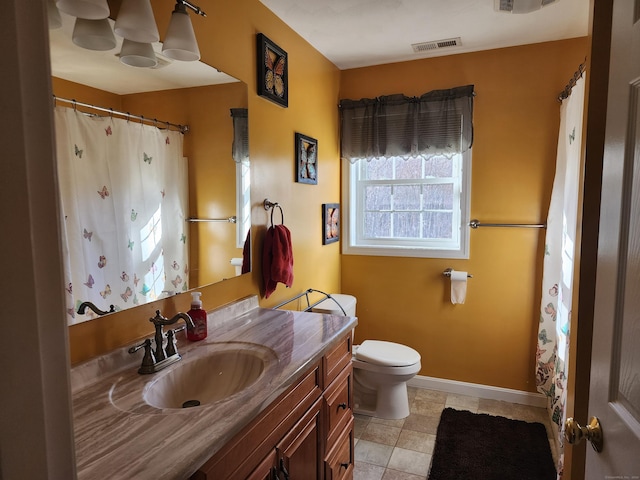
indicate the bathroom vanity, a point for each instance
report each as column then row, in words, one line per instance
column 286, row 413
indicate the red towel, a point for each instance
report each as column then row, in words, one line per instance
column 277, row 259
column 246, row 254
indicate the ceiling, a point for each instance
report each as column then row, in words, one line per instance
column 350, row 33
column 359, row 33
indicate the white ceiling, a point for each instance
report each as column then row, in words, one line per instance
column 358, row 33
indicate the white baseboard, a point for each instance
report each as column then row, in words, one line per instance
column 480, row 391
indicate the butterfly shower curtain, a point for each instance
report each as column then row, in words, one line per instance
column 123, row 194
column 557, row 282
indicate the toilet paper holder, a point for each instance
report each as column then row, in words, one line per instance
column 447, row 273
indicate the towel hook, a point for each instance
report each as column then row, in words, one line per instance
column 273, row 205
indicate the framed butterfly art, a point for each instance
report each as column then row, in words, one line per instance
column 272, row 71
column 306, row 159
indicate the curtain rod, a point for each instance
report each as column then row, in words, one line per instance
column 564, row 94
column 127, row 115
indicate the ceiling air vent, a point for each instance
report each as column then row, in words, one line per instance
column 521, row 6
column 428, row 46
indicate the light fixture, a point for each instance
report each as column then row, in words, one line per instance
column 55, row 21
column 90, row 9
column 93, row 34
column 137, row 54
column 136, row 22
column 180, row 41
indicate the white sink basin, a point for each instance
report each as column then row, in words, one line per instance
column 210, row 373
column 206, row 374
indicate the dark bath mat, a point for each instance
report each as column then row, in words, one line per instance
column 483, row 447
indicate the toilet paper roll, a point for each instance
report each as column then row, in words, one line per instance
column 458, row 287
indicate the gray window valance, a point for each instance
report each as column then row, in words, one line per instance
column 240, row 146
column 438, row 122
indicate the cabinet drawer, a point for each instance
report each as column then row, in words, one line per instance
column 339, row 461
column 336, row 359
column 338, row 409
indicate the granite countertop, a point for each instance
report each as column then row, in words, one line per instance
column 119, row 436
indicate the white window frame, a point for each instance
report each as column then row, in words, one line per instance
column 353, row 244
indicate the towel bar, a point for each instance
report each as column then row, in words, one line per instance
column 232, row 219
column 476, row 223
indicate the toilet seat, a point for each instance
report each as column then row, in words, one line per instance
column 388, row 354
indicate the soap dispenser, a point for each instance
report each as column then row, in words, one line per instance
column 199, row 317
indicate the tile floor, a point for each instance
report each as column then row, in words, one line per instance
column 401, row 449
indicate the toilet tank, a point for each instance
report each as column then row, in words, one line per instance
column 347, row 302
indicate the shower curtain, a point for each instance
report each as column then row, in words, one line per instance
column 123, row 195
column 557, row 281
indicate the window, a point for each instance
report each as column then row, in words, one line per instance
column 406, row 183
column 416, row 207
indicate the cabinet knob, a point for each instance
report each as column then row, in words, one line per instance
column 342, row 405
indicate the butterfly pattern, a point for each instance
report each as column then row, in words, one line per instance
column 78, row 152
column 89, row 283
column 175, row 265
column 274, row 75
column 106, row 292
column 87, row 234
column 130, row 245
column 177, row 281
column 308, row 160
column 134, row 215
column 108, row 131
column 102, row 261
column 147, row 158
column 124, row 277
column 104, row 193
column 126, row 294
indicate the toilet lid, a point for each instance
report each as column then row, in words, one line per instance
column 389, row 354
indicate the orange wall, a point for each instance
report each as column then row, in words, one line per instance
column 491, row 339
column 227, row 41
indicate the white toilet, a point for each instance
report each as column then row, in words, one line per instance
column 381, row 369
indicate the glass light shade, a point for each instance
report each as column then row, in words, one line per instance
column 138, row 54
column 180, row 41
column 93, row 34
column 89, row 9
column 55, row 21
column 136, row 22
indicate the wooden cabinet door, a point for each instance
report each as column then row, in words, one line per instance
column 266, row 469
column 300, row 452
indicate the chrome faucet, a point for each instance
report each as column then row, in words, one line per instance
column 84, row 305
column 161, row 357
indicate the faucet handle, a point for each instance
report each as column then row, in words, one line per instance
column 170, row 349
column 148, row 361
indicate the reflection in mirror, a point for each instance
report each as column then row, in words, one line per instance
column 155, row 180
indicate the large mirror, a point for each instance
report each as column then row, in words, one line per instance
column 209, row 221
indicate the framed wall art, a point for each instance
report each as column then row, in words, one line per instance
column 306, row 159
column 272, row 71
column 330, row 223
